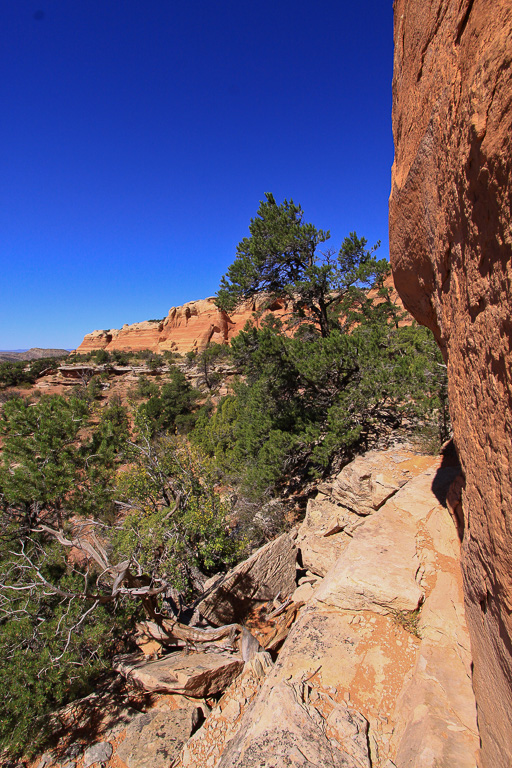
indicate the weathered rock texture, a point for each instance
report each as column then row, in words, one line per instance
column 195, row 674
column 361, row 678
column 269, row 572
column 358, row 684
column 190, row 327
column 195, row 325
column 451, row 249
column 156, row 738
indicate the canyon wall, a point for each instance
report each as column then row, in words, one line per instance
column 196, row 324
column 451, row 249
column 188, row 328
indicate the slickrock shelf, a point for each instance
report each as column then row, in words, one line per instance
column 372, row 665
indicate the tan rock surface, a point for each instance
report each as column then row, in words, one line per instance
column 379, row 568
column 298, row 735
column 435, row 717
column 193, row 674
column 157, row 737
column 411, row 690
column 451, row 252
column 359, row 489
column 208, row 743
column 192, row 326
column 267, row 573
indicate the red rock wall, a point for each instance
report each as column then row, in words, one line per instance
column 190, row 327
column 451, row 249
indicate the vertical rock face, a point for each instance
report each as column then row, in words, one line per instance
column 451, row 249
column 190, row 327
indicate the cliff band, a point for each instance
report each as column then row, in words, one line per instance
column 451, row 253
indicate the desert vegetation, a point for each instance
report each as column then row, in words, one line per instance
column 113, row 510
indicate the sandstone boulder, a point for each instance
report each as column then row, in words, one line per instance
column 378, row 569
column 157, row 737
column 339, row 509
column 97, row 753
column 298, row 736
column 320, row 553
column 321, row 537
column 269, row 572
column 193, row 674
column 365, row 484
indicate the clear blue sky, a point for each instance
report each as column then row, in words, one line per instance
column 137, row 138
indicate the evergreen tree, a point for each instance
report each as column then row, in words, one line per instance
column 281, row 259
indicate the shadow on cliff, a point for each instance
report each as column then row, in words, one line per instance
column 448, row 484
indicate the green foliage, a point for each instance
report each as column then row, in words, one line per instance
column 93, row 390
column 51, row 651
column 208, row 359
column 170, row 357
column 12, row 373
column 102, row 356
column 174, row 408
column 305, row 402
column 110, row 436
column 120, row 357
column 146, row 388
column 408, row 620
column 15, row 373
column 177, row 523
column 155, row 362
column 280, row 259
column 40, row 458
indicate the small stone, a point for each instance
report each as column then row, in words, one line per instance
column 74, row 750
column 98, row 753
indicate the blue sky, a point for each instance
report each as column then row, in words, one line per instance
column 137, row 138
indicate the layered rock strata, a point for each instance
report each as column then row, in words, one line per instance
column 451, row 252
column 363, row 679
column 196, row 324
column 187, row 328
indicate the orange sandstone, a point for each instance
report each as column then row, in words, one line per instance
column 451, row 252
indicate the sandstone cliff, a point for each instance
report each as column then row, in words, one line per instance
column 190, row 327
column 196, row 324
column 451, row 248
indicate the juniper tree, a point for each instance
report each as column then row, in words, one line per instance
column 281, row 258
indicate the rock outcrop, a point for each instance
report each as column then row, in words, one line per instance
column 269, row 572
column 157, row 737
column 196, row 324
column 198, row 674
column 188, row 328
column 366, row 685
column 451, row 252
column 372, row 670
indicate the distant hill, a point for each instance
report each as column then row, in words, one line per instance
column 36, row 353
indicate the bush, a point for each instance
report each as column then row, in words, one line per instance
column 305, row 402
column 174, row 408
column 102, row 356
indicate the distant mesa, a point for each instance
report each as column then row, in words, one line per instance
column 191, row 327
column 188, row 328
column 36, row 353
